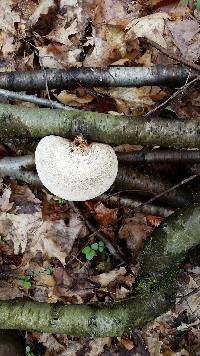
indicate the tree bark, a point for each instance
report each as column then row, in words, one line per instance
column 18, row 121
column 155, row 290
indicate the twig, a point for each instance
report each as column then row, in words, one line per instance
column 94, row 77
column 171, row 156
column 99, row 234
column 171, row 55
column 179, row 91
column 32, row 99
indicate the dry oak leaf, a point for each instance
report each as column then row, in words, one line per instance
column 105, row 216
column 135, row 231
column 104, row 279
column 42, row 9
column 61, row 34
column 29, row 233
column 151, row 27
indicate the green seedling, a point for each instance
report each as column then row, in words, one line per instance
column 25, row 281
column 168, row 107
column 90, row 251
column 29, row 352
column 198, row 5
column 49, row 270
column 60, row 200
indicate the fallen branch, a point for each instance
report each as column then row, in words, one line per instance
column 94, row 77
column 134, row 203
column 148, row 185
column 18, row 121
column 127, row 178
column 11, row 95
column 165, row 156
column 156, row 290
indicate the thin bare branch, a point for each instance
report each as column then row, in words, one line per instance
column 32, row 99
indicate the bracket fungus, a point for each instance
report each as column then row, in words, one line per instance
column 75, row 171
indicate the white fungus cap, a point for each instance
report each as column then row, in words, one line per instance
column 75, row 171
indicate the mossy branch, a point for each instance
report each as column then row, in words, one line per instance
column 23, row 122
column 156, row 289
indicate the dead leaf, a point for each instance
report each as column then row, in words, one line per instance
column 135, row 231
column 9, row 290
column 135, row 101
column 104, row 279
column 29, row 233
column 24, row 199
column 72, row 99
column 151, row 27
column 61, row 34
column 65, row 347
column 42, row 9
column 8, row 17
column 104, row 216
column 96, row 347
column 185, row 37
column 5, row 204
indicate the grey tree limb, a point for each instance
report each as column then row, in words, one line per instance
column 127, row 178
column 18, row 121
column 95, row 77
column 155, row 290
column 32, row 99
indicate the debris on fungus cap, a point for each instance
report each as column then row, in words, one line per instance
column 75, row 171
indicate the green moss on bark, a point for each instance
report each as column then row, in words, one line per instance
column 18, row 121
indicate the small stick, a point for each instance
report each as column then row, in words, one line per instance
column 32, row 99
column 171, row 55
column 166, row 156
column 179, row 91
column 100, row 235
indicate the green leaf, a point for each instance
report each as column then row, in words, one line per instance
column 49, row 270
column 89, row 256
column 101, row 246
column 168, row 107
column 198, row 5
column 25, row 281
column 86, row 249
column 29, row 352
column 95, row 246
